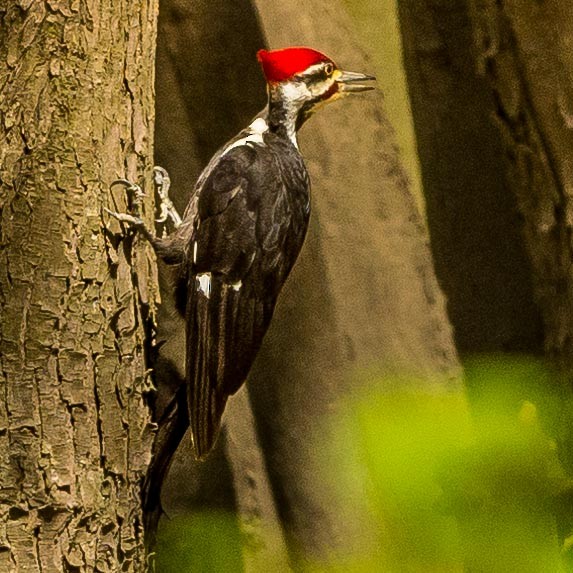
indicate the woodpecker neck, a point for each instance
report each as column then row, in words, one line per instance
column 287, row 108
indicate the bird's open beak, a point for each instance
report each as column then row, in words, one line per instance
column 350, row 82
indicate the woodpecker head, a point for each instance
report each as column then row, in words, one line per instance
column 302, row 79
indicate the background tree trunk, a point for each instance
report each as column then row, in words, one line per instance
column 529, row 71
column 77, row 301
column 362, row 297
column 472, row 215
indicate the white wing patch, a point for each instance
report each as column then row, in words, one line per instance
column 256, row 131
column 204, row 283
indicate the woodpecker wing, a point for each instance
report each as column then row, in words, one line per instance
column 251, row 218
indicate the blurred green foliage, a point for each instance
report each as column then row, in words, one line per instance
column 444, row 490
column 451, row 491
column 204, row 542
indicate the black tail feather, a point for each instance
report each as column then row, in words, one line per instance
column 225, row 327
column 206, row 401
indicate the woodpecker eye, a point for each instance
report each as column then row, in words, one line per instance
column 329, row 69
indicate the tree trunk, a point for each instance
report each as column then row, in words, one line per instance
column 264, row 544
column 529, row 71
column 77, row 300
column 478, row 247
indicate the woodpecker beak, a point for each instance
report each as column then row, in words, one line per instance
column 349, row 82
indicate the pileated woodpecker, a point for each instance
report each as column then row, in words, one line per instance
column 242, row 232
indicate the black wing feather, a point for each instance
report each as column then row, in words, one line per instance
column 249, row 229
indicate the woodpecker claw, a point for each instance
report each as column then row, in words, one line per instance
column 133, row 187
column 137, row 195
column 133, row 219
column 124, row 182
column 167, row 209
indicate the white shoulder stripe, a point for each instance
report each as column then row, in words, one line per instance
column 256, row 131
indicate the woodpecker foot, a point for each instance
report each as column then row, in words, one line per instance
column 166, row 206
column 133, row 219
column 135, row 192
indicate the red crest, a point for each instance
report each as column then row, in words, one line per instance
column 280, row 65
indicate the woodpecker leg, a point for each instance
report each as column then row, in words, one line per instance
column 166, row 207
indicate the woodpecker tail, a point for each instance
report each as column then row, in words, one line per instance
column 205, row 401
column 225, row 328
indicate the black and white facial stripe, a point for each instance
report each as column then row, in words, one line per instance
column 293, row 101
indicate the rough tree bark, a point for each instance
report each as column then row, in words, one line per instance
column 77, row 300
